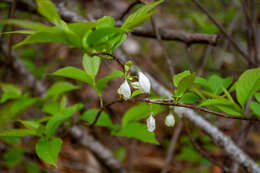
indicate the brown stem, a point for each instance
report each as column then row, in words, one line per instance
column 169, row 102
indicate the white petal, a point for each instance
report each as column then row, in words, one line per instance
column 124, row 90
column 169, row 120
column 145, row 84
column 150, row 123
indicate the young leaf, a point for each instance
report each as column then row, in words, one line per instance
column 189, row 98
column 52, row 108
column 247, row 85
column 30, row 124
column 55, row 121
column 48, row 149
column 185, row 84
column 91, row 65
column 255, row 108
column 59, row 88
column 103, row 120
column 178, row 77
column 47, row 9
column 101, row 84
column 138, row 131
column 257, row 96
column 140, row 16
column 19, row 132
column 26, row 24
column 74, row 73
column 49, row 36
column 141, row 111
column 106, row 21
column 9, row 92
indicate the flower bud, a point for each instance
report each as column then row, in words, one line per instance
column 145, row 84
column 169, row 120
column 124, row 90
column 150, row 123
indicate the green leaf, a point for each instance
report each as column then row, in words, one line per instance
column 19, row 132
column 255, row 107
column 106, row 39
column 217, row 83
column 257, row 96
column 11, row 110
column 74, row 73
column 48, row 149
column 91, row 65
column 12, row 140
column 210, row 102
column 59, row 88
column 178, row 77
column 189, row 98
column 30, row 124
column 10, row 91
column 80, row 28
column 185, row 84
column 140, row 16
column 51, row 107
column 32, row 168
column 138, row 131
column 247, row 85
column 55, row 121
column 141, row 111
column 47, row 9
column 103, row 120
column 101, row 84
column 13, row 157
column 223, row 105
column 26, row 24
column 106, row 21
column 53, row 35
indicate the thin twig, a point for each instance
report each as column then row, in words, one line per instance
column 171, row 103
column 222, row 30
column 114, row 58
column 175, row 136
column 165, row 51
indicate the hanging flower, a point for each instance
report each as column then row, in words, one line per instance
column 145, row 84
column 169, row 120
column 124, row 90
column 150, row 123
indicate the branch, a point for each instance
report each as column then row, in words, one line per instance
column 166, row 34
column 170, row 102
column 222, row 30
column 218, row 137
column 97, row 148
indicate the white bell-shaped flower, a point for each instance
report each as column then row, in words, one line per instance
column 150, row 123
column 169, row 120
column 124, row 90
column 145, row 84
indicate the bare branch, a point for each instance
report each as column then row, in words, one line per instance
column 97, row 148
column 167, row 34
column 222, row 30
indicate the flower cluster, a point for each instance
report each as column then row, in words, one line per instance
column 143, row 84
